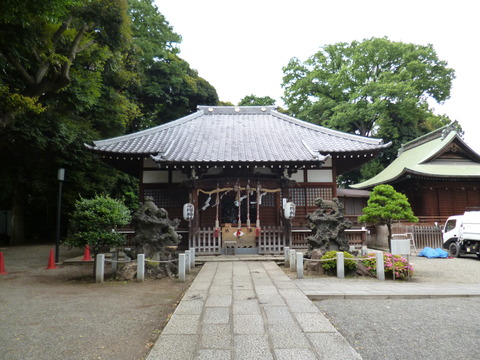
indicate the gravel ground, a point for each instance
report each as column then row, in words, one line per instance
column 64, row 314
column 465, row 270
column 424, row 329
column 427, row 329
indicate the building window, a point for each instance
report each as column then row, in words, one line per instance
column 307, row 196
column 298, row 196
column 165, row 198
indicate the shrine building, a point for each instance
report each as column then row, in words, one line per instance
column 240, row 178
column 438, row 172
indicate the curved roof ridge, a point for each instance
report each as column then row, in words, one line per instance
column 326, row 130
column 154, row 129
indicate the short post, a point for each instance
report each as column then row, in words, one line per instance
column 140, row 267
column 299, row 265
column 364, row 250
column 181, row 267
column 380, row 266
column 100, row 268
column 192, row 256
column 115, row 261
column 292, row 259
column 287, row 256
column 187, row 261
column 340, row 265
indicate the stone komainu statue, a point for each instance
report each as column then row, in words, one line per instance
column 328, row 225
column 153, row 230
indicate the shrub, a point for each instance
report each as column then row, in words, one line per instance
column 392, row 263
column 93, row 223
column 350, row 265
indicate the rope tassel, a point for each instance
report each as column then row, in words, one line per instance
column 216, row 232
column 257, row 222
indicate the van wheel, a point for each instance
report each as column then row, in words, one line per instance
column 454, row 250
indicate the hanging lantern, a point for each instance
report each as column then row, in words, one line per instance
column 188, row 211
column 289, row 210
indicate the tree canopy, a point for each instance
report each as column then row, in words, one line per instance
column 376, row 87
column 250, row 100
column 73, row 72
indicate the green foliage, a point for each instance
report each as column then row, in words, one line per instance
column 74, row 72
column 250, row 100
column 386, row 205
column 392, row 263
column 93, row 223
column 350, row 265
column 376, row 87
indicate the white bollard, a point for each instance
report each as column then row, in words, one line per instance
column 188, row 262
column 181, row 267
column 192, row 256
column 380, row 266
column 287, row 256
column 364, row 250
column 100, row 268
column 292, row 259
column 300, row 265
column 340, row 265
column 140, row 267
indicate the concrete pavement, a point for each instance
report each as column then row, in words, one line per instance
column 333, row 288
column 248, row 310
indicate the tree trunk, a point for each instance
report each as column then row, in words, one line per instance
column 18, row 215
column 389, row 227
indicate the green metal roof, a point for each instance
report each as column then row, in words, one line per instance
column 420, row 157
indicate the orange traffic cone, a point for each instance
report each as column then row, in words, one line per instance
column 86, row 254
column 2, row 265
column 51, row 262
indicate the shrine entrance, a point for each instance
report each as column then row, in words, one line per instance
column 229, row 218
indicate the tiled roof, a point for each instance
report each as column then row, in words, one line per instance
column 238, row 134
column 421, row 157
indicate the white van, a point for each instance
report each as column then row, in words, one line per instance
column 461, row 234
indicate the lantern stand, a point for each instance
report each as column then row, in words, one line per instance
column 61, row 179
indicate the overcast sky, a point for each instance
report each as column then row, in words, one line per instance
column 240, row 47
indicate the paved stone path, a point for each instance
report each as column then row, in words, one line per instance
column 248, row 310
column 332, row 288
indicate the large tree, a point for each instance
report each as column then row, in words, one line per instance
column 376, row 87
column 74, row 71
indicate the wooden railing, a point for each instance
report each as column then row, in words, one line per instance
column 205, row 242
column 356, row 238
column 272, row 240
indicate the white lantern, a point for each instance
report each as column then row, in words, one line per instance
column 289, row 210
column 188, row 211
